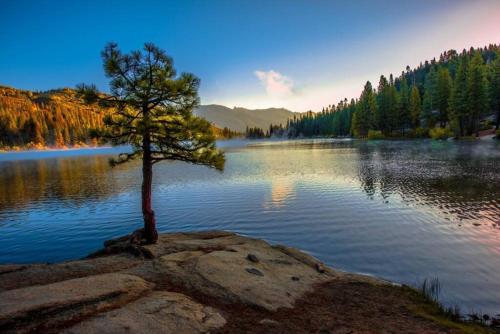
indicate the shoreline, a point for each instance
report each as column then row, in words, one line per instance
column 213, row 281
column 51, row 148
column 37, row 148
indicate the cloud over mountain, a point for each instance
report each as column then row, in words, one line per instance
column 275, row 83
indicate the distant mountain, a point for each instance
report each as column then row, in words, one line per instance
column 238, row 119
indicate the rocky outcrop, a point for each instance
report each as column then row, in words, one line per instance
column 227, row 273
column 217, row 282
column 115, row 293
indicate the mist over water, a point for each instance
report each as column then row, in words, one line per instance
column 400, row 210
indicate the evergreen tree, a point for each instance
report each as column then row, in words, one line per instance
column 366, row 108
column 393, row 102
column 477, row 92
column 415, row 106
column 458, row 100
column 442, row 94
column 429, row 101
column 381, row 116
column 495, row 88
column 404, row 118
column 153, row 113
column 255, row 133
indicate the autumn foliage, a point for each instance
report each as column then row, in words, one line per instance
column 53, row 118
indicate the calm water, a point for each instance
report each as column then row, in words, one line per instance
column 403, row 211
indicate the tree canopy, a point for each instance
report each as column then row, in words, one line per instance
column 152, row 111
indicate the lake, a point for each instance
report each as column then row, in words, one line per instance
column 400, row 210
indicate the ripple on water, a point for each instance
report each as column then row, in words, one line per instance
column 404, row 211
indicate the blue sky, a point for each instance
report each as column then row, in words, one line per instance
column 295, row 54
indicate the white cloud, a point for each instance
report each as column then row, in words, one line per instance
column 275, row 83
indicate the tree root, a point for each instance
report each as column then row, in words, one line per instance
column 132, row 244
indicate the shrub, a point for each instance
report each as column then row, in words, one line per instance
column 421, row 133
column 373, row 135
column 468, row 138
column 440, row 133
column 497, row 134
column 486, row 125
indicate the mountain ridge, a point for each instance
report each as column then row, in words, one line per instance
column 239, row 118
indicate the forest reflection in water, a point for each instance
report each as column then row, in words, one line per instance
column 401, row 210
column 461, row 181
column 75, row 179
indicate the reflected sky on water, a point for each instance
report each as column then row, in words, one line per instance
column 401, row 210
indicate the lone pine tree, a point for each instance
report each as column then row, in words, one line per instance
column 152, row 112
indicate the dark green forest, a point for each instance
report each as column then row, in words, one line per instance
column 455, row 95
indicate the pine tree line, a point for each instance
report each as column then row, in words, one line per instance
column 453, row 93
column 225, row 133
column 255, row 133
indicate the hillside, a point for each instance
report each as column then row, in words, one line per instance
column 55, row 118
column 238, row 119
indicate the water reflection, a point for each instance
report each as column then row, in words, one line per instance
column 78, row 180
column 282, row 189
column 462, row 182
column 401, row 210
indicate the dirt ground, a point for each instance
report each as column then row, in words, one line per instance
column 343, row 308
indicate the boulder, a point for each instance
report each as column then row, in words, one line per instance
column 26, row 309
column 160, row 312
column 221, row 270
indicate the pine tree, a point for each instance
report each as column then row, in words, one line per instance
column 477, row 92
column 381, row 117
column 153, row 113
column 415, row 106
column 366, row 109
column 429, row 101
column 495, row 88
column 404, row 118
column 458, row 100
column 393, row 107
column 442, row 94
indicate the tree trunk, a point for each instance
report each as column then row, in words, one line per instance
column 476, row 126
column 150, row 232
